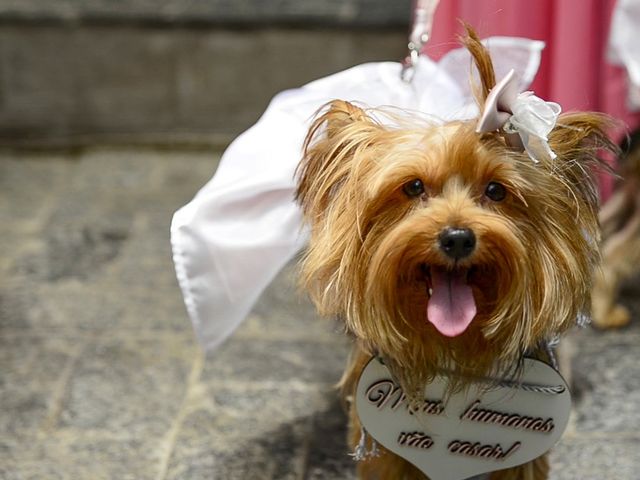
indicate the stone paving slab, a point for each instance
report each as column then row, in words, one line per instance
column 225, row 435
column 306, row 361
column 31, row 367
column 101, row 378
column 596, row 458
column 607, row 383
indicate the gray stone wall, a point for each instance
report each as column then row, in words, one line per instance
column 70, row 82
column 77, row 69
column 325, row 12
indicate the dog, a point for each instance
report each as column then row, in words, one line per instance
column 438, row 245
column 620, row 221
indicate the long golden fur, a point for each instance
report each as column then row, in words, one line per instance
column 620, row 220
column 373, row 248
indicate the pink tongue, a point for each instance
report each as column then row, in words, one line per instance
column 451, row 306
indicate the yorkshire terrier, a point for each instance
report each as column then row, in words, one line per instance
column 437, row 245
column 620, row 221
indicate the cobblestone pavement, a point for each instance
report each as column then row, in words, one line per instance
column 100, row 377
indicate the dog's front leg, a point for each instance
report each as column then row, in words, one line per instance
column 537, row 469
column 620, row 261
column 386, row 465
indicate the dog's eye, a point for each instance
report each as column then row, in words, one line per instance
column 413, row 188
column 495, row 191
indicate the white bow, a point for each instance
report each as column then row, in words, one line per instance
column 525, row 118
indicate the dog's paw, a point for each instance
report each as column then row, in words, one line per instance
column 619, row 316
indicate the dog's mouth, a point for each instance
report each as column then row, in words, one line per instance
column 451, row 306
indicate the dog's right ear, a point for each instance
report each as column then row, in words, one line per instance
column 340, row 115
column 333, row 142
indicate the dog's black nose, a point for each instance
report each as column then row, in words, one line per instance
column 457, row 243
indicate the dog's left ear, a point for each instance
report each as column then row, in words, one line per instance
column 579, row 140
column 333, row 142
column 581, row 137
column 581, row 133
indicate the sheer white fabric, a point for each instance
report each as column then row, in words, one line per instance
column 243, row 226
column 624, row 46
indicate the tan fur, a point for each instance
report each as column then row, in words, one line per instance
column 531, row 270
column 620, row 220
column 482, row 61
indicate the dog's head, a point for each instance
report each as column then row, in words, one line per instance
column 437, row 244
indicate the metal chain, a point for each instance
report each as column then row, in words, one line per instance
column 531, row 387
column 419, row 36
column 527, row 387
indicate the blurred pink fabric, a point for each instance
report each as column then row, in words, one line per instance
column 574, row 71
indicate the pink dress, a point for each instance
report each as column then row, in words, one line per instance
column 575, row 70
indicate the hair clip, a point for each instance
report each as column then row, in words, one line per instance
column 525, row 119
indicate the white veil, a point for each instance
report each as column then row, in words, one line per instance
column 243, row 226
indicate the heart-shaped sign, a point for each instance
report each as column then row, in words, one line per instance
column 483, row 429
